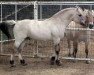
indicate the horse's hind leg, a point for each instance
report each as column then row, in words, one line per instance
column 12, row 59
column 19, row 46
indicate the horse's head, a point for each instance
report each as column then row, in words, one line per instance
column 89, row 19
column 79, row 16
column 93, row 16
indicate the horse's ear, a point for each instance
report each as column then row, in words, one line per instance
column 83, row 8
column 77, row 7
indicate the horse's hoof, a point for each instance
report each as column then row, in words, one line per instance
column 88, row 62
column 23, row 63
column 12, row 63
column 12, row 66
column 74, row 61
column 58, row 63
column 52, row 61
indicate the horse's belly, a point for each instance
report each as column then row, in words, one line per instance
column 41, row 35
column 83, row 38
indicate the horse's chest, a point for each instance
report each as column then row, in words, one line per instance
column 59, row 31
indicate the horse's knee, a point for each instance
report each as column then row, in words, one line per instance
column 86, row 51
column 57, row 49
column 16, row 44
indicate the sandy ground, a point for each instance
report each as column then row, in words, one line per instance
column 41, row 66
column 38, row 66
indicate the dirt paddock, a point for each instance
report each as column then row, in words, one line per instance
column 41, row 66
column 38, row 66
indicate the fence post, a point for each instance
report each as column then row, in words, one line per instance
column 41, row 12
column 36, row 10
column 36, row 18
column 15, row 12
column 1, row 32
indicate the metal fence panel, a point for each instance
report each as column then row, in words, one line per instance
column 42, row 10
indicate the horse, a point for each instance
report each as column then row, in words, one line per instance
column 52, row 28
column 7, row 28
column 77, row 36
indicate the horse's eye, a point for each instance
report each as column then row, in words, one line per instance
column 80, row 15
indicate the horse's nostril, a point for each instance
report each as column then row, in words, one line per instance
column 91, row 26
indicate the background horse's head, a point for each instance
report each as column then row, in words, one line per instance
column 93, row 15
column 89, row 18
column 79, row 16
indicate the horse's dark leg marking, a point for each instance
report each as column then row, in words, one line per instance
column 75, row 52
column 12, row 63
column 75, row 46
column 69, row 47
column 86, row 51
column 12, row 60
column 53, row 59
column 57, row 50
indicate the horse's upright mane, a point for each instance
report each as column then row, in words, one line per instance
column 62, row 11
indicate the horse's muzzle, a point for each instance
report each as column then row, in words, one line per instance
column 91, row 26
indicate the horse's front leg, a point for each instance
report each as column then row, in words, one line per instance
column 22, row 61
column 86, row 51
column 57, row 50
column 75, row 48
column 19, row 47
column 69, row 47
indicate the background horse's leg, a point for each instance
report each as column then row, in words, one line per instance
column 57, row 50
column 75, row 48
column 86, row 51
column 69, row 47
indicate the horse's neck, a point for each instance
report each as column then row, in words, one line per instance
column 62, row 18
